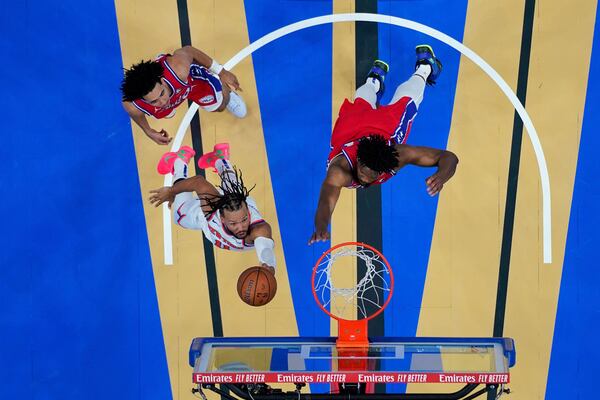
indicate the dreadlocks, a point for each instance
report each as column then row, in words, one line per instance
column 234, row 193
column 140, row 79
column 375, row 153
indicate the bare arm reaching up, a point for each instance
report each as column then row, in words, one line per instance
column 445, row 160
column 336, row 178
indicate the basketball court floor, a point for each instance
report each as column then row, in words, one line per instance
column 89, row 306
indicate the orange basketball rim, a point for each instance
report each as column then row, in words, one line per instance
column 367, row 298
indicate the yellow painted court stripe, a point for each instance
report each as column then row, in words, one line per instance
column 560, row 57
column 182, row 291
column 248, row 152
column 460, row 288
column 468, row 228
column 145, row 30
column 343, row 223
column 461, row 283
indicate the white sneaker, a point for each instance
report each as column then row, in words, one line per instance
column 236, row 105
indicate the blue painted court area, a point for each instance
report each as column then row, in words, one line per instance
column 295, row 114
column 79, row 317
column 78, row 313
column 575, row 354
column 408, row 211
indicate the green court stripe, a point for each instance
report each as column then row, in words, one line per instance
column 369, row 228
column 209, row 256
column 513, row 171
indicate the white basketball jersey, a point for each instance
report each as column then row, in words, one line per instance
column 221, row 237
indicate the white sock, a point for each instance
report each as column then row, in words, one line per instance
column 368, row 92
column 224, row 168
column 374, row 82
column 236, row 105
column 424, row 70
column 179, row 169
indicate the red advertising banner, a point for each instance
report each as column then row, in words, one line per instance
column 341, row 377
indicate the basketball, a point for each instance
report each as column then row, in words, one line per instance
column 256, row 286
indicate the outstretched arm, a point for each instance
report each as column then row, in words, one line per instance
column 264, row 245
column 445, row 160
column 196, row 184
column 188, row 54
column 140, row 119
column 330, row 193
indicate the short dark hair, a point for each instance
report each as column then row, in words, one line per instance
column 140, row 79
column 375, row 153
column 234, row 193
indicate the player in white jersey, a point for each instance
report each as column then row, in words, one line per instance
column 226, row 214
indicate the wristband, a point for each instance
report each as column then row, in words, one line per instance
column 264, row 250
column 215, row 67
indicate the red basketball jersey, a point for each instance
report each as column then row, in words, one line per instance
column 357, row 120
column 201, row 87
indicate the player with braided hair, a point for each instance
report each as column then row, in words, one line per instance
column 368, row 140
column 233, row 193
column 226, row 214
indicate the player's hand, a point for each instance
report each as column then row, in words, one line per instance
column 435, row 183
column 230, row 80
column 161, row 137
column 320, row 235
column 161, row 195
column 272, row 269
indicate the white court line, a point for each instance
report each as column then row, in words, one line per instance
column 415, row 26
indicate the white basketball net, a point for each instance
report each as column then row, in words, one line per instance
column 367, row 296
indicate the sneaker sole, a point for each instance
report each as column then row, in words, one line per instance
column 164, row 166
column 387, row 67
column 428, row 47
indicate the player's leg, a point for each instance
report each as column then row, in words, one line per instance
column 187, row 210
column 186, row 205
column 212, row 96
column 373, row 88
column 233, row 102
column 219, row 160
column 208, row 160
column 427, row 70
column 229, row 177
column 414, row 87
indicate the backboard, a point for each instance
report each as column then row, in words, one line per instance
column 468, row 361
column 351, row 365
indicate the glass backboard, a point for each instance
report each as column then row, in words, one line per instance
column 386, row 360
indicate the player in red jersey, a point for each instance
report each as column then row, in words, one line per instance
column 368, row 140
column 157, row 87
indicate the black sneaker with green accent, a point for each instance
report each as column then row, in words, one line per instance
column 378, row 71
column 425, row 55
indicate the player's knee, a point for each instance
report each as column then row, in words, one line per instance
column 223, row 106
column 177, row 220
column 178, row 215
